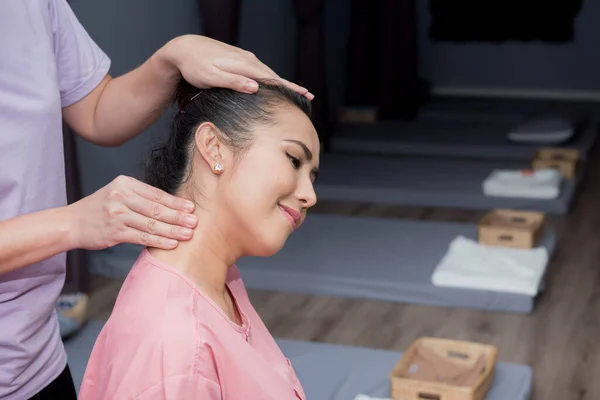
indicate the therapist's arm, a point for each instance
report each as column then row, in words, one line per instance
column 124, row 211
column 33, row 237
column 120, row 108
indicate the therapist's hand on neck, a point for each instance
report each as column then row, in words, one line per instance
column 130, row 211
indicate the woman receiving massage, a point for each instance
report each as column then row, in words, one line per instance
column 183, row 326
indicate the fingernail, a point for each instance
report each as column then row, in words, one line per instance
column 188, row 206
column 190, row 220
column 186, row 232
column 310, row 95
column 171, row 243
column 251, row 86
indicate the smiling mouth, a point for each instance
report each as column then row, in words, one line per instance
column 290, row 214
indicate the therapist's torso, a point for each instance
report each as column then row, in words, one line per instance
column 47, row 61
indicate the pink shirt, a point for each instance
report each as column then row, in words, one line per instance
column 166, row 340
column 47, row 61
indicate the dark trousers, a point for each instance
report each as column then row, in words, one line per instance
column 62, row 388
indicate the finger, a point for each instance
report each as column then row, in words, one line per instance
column 159, row 212
column 255, row 69
column 248, row 65
column 268, row 72
column 242, row 83
column 135, row 236
column 297, row 88
column 161, row 197
column 234, row 81
column 155, row 227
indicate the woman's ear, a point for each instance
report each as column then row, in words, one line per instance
column 210, row 147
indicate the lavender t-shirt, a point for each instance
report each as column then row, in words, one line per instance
column 47, row 61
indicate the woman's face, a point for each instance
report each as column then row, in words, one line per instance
column 270, row 188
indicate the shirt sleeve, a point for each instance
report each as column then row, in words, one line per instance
column 81, row 64
column 183, row 387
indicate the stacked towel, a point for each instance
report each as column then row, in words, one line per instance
column 538, row 184
column 470, row 265
column 551, row 129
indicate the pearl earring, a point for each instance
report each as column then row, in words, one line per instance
column 218, row 167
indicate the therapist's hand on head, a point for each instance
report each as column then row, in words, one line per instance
column 206, row 63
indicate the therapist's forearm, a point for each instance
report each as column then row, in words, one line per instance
column 132, row 102
column 31, row 238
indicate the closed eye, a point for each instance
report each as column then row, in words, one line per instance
column 295, row 161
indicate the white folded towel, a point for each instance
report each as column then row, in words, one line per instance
column 365, row 397
column 542, row 183
column 470, row 265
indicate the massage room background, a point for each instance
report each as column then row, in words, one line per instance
column 448, row 68
column 130, row 31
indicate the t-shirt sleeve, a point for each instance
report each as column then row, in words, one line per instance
column 80, row 63
column 183, row 387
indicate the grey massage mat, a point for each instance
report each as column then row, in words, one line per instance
column 374, row 258
column 330, row 372
column 334, row 372
column 472, row 110
column 500, row 109
column 426, row 182
column 486, row 139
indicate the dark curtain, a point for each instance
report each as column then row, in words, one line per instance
column 503, row 20
column 310, row 60
column 221, row 22
column 382, row 66
column 363, row 55
column 221, row 19
column 77, row 279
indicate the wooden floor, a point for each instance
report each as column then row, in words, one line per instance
column 560, row 340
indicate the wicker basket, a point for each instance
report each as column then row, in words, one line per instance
column 465, row 353
column 558, row 153
column 511, row 228
column 562, row 159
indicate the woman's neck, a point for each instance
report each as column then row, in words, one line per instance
column 205, row 258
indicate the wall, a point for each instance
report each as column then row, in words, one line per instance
column 572, row 66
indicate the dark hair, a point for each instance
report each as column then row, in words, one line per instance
column 232, row 112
